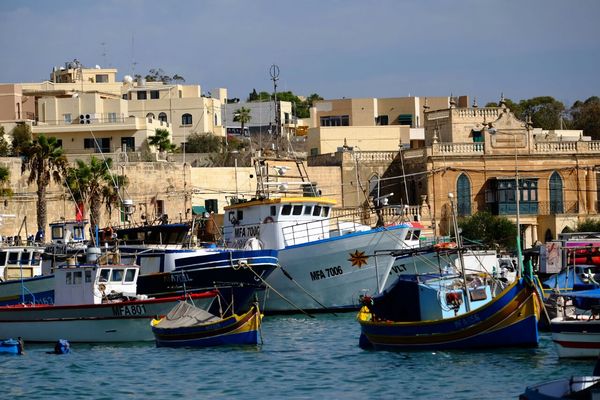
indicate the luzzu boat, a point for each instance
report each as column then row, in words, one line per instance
column 189, row 326
column 509, row 319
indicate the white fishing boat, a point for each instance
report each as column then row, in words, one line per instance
column 20, row 275
column 576, row 329
column 326, row 262
column 92, row 303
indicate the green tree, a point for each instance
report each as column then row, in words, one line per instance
column 491, row 230
column 515, row 108
column 21, row 139
column 45, row 161
column 111, row 193
column 87, row 182
column 589, row 225
column 205, row 143
column 158, row 75
column 586, row 116
column 4, row 181
column 253, row 96
column 161, row 140
column 545, row 111
column 242, row 115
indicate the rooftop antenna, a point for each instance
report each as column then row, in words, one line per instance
column 103, row 44
column 133, row 62
column 274, row 72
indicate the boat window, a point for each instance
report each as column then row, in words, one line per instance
column 416, row 234
column 307, row 210
column 25, row 257
column 317, row 211
column 240, row 215
column 57, row 232
column 325, row 212
column 286, row 209
column 117, row 275
column 408, row 235
column 69, row 278
column 78, row 232
column 13, row 257
column 104, row 274
column 77, row 278
column 36, row 257
column 273, row 211
column 129, row 275
column 2, row 258
column 88, row 276
column 297, row 210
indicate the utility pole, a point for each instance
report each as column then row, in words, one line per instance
column 274, row 72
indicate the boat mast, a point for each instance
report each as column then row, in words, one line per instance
column 460, row 252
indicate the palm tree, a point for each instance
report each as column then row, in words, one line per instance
column 45, row 161
column 242, row 115
column 161, row 140
column 87, row 183
column 110, row 193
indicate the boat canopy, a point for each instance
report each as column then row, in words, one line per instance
column 585, row 299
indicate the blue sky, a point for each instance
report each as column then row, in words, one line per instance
column 337, row 48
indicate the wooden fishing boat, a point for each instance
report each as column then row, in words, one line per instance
column 189, row 326
column 510, row 319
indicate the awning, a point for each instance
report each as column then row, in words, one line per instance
column 198, row 210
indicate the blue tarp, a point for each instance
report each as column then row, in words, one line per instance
column 585, row 299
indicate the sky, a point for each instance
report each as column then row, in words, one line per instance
column 336, row 48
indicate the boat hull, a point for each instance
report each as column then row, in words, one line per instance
column 335, row 271
column 230, row 331
column 509, row 320
column 127, row 321
column 576, row 338
column 38, row 290
column 561, row 388
column 237, row 274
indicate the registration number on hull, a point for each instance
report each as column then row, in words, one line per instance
column 129, row 310
column 326, row 273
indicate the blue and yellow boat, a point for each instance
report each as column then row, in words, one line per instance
column 189, row 326
column 509, row 319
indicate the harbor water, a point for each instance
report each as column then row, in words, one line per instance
column 300, row 358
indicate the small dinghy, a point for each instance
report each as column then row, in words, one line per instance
column 189, row 326
column 10, row 346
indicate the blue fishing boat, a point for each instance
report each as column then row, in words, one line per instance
column 10, row 346
column 188, row 326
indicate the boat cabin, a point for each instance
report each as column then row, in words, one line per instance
column 93, row 284
column 66, row 232
column 18, row 262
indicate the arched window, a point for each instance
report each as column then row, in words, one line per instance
column 150, row 115
column 463, row 195
column 162, row 117
column 186, row 119
column 556, row 194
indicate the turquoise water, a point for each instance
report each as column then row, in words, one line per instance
column 301, row 358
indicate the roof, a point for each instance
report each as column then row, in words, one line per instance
column 281, row 200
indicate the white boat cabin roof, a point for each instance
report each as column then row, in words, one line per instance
column 63, row 232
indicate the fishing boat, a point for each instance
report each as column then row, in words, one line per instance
column 190, row 326
column 326, row 261
column 576, row 329
column 10, row 346
column 92, row 303
column 21, row 279
column 574, row 387
column 429, row 314
column 170, row 265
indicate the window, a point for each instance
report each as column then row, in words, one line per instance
column 67, row 118
column 142, row 95
column 186, row 119
column 128, row 144
column 68, row 278
column 112, row 117
column 154, row 94
column 286, row 209
column 35, row 258
column 117, row 275
column 104, row 274
column 382, row 120
column 88, row 276
column 162, row 117
column 556, row 195
column 333, row 120
column 25, row 257
column 77, row 277
column 317, row 211
column 150, row 116
column 160, row 207
column 129, row 275
column 57, row 232
column 325, row 212
column 126, row 96
column 405, row 119
column 240, row 215
column 89, row 143
column 101, row 78
column 59, row 142
column 307, row 210
column 477, row 136
column 13, row 257
column 273, row 211
column 463, row 195
column 297, row 210
column 2, row 258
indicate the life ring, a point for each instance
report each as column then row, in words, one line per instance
column 268, row 220
column 445, row 245
column 101, row 287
